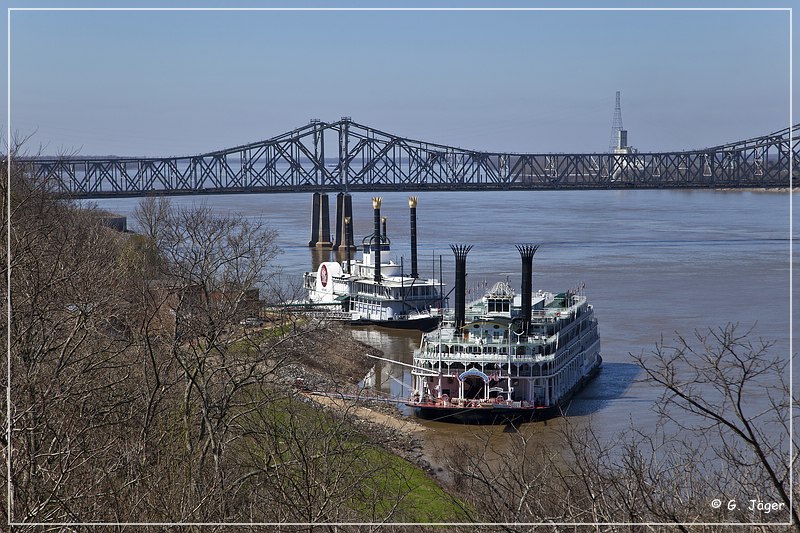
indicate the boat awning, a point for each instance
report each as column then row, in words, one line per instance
column 342, row 297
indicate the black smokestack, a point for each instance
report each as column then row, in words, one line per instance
column 376, row 238
column 526, row 251
column 412, row 204
column 461, row 251
column 347, row 241
column 385, row 234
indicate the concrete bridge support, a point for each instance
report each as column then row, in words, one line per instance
column 320, row 222
column 344, row 231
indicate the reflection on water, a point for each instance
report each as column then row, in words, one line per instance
column 611, row 384
column 399, row 345
column 318, row 256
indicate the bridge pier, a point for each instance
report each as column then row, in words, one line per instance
column 320, row 222
column 344, row 230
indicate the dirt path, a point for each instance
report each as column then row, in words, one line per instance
column 407, row 426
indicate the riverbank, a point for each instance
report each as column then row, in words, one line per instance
column 330, row 379
column 781, row 190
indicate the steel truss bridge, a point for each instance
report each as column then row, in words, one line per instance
column 347, row 156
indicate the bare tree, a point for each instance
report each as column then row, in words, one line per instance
column 710, row 386
column 70, row 365
column 711, row 443
column 141, row 393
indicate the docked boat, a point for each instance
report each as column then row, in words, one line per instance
column 505, row 358
column 369, row 290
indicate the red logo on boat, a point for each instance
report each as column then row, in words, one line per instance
column 323, row 275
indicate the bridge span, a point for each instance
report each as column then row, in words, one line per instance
column 345, row 156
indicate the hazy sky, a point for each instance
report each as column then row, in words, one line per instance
column 185, row 82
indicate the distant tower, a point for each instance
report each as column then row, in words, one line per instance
column 616, row 127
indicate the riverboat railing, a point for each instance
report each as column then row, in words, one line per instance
column 500, row 356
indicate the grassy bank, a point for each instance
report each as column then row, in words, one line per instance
column 317, row 457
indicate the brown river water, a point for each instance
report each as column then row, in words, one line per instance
column 653, row 263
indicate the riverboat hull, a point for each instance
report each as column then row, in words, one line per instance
column 485, row 415
column 428, row 323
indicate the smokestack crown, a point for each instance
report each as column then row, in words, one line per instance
column 527, row 250
column 461, row 250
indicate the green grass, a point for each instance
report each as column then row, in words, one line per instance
column 422, row 499
column 380, row 479
column 376, row 480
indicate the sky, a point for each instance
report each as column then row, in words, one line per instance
column 158, row 83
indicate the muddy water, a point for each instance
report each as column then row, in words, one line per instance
column 653, row 263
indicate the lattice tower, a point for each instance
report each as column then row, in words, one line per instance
column 616, row 126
